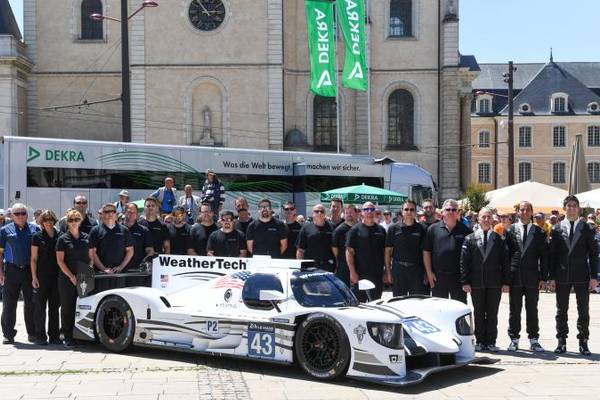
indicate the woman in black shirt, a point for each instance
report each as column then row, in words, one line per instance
column 72, row 250
column 44, row 272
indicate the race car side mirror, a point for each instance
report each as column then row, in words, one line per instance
column 271, row 295
column 365, row 284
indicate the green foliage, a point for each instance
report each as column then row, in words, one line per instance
column 474, row 198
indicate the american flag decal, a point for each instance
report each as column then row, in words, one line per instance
column 233, row 281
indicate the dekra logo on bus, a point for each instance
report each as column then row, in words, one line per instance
column 56, row 155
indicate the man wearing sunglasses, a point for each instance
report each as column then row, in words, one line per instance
column 404, row 253
column 441, row 253
column 111, row 244
column 365, row 246
column 314, row 240
column 15, row 273
column 293, row 229
column 80, row 203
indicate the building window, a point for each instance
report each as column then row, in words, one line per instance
column 558, row 172
column 483, row 173
column 559, row 136
column 525, row 136
column 485, row 105
column 524, row 171
column 90, row 29
column 559, row 103
column 594, row 172
column 484, row 140
column 325, row 123
column 400, row 18
column 401, row 110
column 593, row 136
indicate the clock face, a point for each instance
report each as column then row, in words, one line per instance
column 206, row 15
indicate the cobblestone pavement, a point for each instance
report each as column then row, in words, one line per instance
column 51, row 372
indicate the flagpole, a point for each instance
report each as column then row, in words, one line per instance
column 337, row 78
column 368, row 33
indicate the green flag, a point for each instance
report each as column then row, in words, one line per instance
column 319, row 24
column 351, row 17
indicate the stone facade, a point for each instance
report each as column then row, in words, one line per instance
column 247, row 79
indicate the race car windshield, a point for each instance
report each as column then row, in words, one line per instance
column 321, row 289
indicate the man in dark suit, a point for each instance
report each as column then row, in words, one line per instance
column 485, row 273
column 574, row 264
column 528, row 278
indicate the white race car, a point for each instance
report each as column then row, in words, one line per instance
column 280, row 311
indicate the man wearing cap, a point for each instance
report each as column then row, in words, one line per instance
column 121, row 205
column 191, row 204
column 166, row 196
column 15, row 273
column 541, row 222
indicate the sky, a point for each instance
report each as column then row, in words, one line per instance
column 517, row 30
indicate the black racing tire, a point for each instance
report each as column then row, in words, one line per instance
column 322, row 348
column 115, row 324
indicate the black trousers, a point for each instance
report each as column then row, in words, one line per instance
column 46, row 296
column 16, row 281
column 407, row 280
column 343, row 273
column 532, row 295
column 486, row 302
column 448, row 285
column 68, row 298
column 563, row 292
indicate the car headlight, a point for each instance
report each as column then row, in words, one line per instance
column 388, row 335
column 464, row 325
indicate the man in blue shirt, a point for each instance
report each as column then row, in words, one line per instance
column 15, row 273
column 166, row 196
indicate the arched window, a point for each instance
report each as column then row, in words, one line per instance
column 325, row 123
column 400, row 18
column 90, row 29
column 401, row 115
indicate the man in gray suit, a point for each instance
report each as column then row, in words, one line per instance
column 191, row 204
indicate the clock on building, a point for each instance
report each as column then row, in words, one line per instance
column 206, row 15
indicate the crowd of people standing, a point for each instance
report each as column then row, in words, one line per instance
column 427, row 252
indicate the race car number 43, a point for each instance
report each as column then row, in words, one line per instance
column 261, row 340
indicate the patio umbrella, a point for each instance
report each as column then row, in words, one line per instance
column 544, row 198
column 363, row 193
column 579, row 181
column 590, row 199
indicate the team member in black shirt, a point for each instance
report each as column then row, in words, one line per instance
column 158, row 230
column 244, row 219
column 201, row 231
column 80, row 203
column 140, row 236
column 315, row 239
column 336, row 212
column 429, row 212
column 227, row 241
column 179, row 232
column 404, row 253
column 111, row 244
column 266, row 235
column 338, row 244
column 293, row 229
column 441, row 253
column 44, row 272
column 364, row 252
column 72, row 252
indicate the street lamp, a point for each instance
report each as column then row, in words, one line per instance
column 125, row 74
column 508, row 78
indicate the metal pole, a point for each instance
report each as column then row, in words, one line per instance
column 368, row 33
column 125, row 75
column 511, row 128
column 337, row 79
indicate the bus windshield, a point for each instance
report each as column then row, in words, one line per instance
column 321, row 289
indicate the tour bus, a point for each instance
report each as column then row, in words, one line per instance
column 48, row 173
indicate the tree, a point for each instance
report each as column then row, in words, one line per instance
column 474, row 198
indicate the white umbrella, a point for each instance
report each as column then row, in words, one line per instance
column 590, row 198
column 544, row 198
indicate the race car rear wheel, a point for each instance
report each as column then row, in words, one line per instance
column 322, row 347
column 115, row 324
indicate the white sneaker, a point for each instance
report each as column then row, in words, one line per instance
column 514, row 345
column 493, row 348
column 535, row 346
column 479, row 347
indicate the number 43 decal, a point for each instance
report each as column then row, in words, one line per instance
column 261, row 344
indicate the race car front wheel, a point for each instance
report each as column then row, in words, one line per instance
column 322, row 347
column 115, row 324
